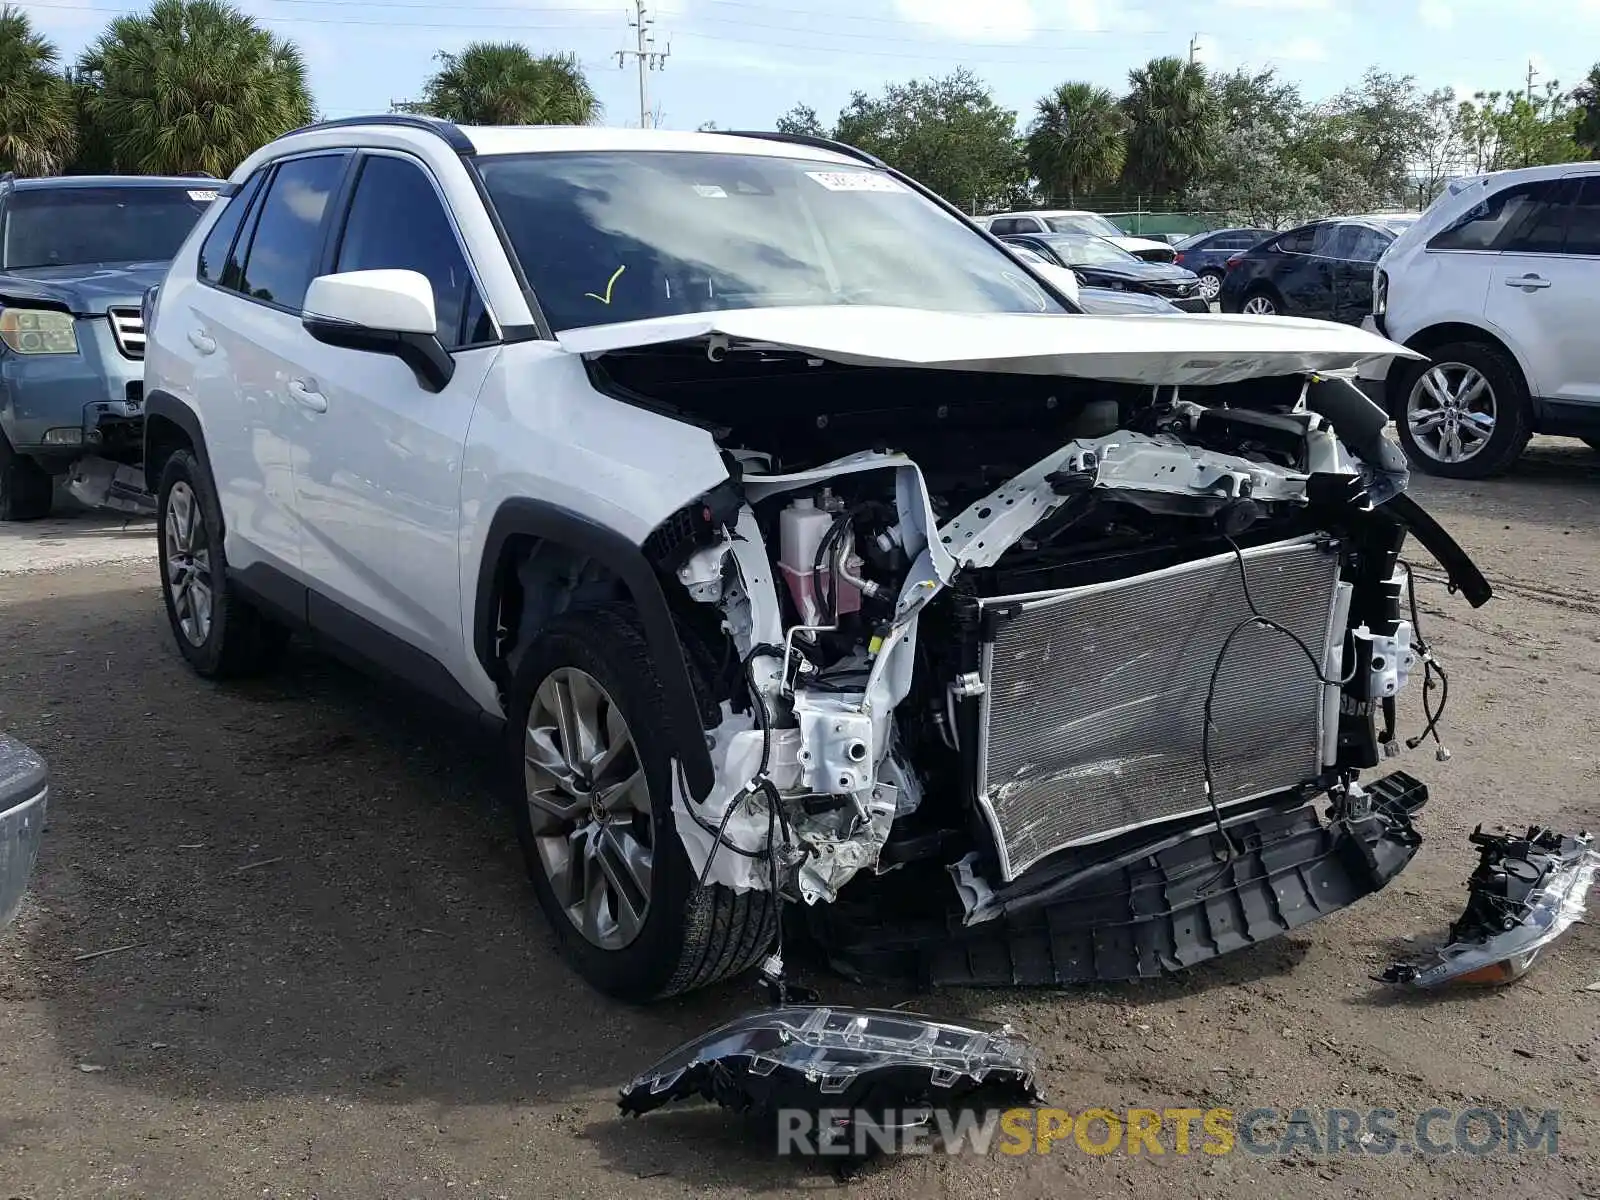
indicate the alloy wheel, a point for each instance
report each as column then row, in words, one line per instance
column 589, row 805
column 188, row 564
column 1451, row 412
column 1210, row 285
column 1260, row 306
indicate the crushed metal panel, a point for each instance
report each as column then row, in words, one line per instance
column 1093, row 697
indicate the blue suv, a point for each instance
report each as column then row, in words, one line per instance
column 77, row 255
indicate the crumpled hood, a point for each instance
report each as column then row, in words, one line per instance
column 1192, row 348
column 87, row 289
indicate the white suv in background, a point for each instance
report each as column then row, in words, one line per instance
column 1070, row 220
column 1499, row 285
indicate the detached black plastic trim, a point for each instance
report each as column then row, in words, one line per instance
column 534, row 518
column 1462, row 571
column 1150, row 916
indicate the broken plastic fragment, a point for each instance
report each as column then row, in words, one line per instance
column 856, row 1063
column 1526, row 892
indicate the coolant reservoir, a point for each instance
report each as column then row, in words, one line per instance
column 801, row 528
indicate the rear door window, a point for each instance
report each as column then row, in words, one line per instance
column 286, row 245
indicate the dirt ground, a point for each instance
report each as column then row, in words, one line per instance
column 331, row 980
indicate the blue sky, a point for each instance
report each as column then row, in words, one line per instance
column 742, row 62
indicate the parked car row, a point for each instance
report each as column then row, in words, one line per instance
column 1322, row 269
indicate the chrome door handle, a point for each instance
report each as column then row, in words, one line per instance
column 202, row 341
column 307, row 396
column 1528, row 283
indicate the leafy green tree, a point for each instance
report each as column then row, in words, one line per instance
column 1077, row 140
column 1586, row 97
column 504, row 83
column 191, row 85
column 38, row 121
column 1513, row 129
column 1250, row 99
column 1371, row 135
column 801, row 120
column 948, row 134
column 1173, row 121
column 1255, row 179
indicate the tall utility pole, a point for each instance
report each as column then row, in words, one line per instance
column 1194, row 49
column 645, row 53
column 1532, row 74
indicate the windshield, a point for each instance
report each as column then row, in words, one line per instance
column 612, row 236
column 1090, row 252
column 1092, row 223
column 70, row 226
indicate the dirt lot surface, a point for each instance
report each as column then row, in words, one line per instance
column 331, row 981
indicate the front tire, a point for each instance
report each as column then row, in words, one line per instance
column 217, row 631
column 26, row 488
column 1464, row 415
column 1210, row 285
column 595, row 818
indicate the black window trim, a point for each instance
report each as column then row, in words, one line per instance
column 341, row 222
column 253, row 218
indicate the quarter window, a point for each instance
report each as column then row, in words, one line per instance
column 1297, row 241
column 287, row 242
column 397, row 222
column 1489, row 224
column 214, row 250
column 1583, row 229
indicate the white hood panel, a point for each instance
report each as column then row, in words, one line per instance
column 1184, row 349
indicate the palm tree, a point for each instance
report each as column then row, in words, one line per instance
column 37, row 126
column 1173, row 121
column 504, row 83
column 192, row 85
column 1076, row 142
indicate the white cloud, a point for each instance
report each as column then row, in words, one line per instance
column 1281, row 5
column 996, row 20
column 1436, row 14
column 1300, row 49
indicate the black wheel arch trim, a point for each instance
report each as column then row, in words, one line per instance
column 167, row 407
column 625, row 559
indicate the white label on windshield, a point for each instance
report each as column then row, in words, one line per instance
column 710, row 191
column 856, row 181
column 201, row 195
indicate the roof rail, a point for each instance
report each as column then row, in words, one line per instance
column 806, row 139
column 449, row 131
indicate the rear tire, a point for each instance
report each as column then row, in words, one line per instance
column 26, row 488
column 666, row 933
column 1210, row 286
column 1261, row 302
column 1502, row 398
column 218, row 632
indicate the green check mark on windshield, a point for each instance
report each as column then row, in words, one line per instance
column 610, row 283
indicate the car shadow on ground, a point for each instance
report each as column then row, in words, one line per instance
column 308, row 884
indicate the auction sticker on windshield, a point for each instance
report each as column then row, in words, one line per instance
column 856, row 181
column 200, row 195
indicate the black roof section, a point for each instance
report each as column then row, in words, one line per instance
column 448, row 130
column 806, row 139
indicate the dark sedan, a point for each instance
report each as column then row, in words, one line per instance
column 1099, row 264
column 1321, row 270
column 1207, row 254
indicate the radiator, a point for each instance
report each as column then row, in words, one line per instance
column 1092, row 699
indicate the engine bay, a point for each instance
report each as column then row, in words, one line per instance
column 994, row 628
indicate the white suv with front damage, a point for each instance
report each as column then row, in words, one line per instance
column 810, row 548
